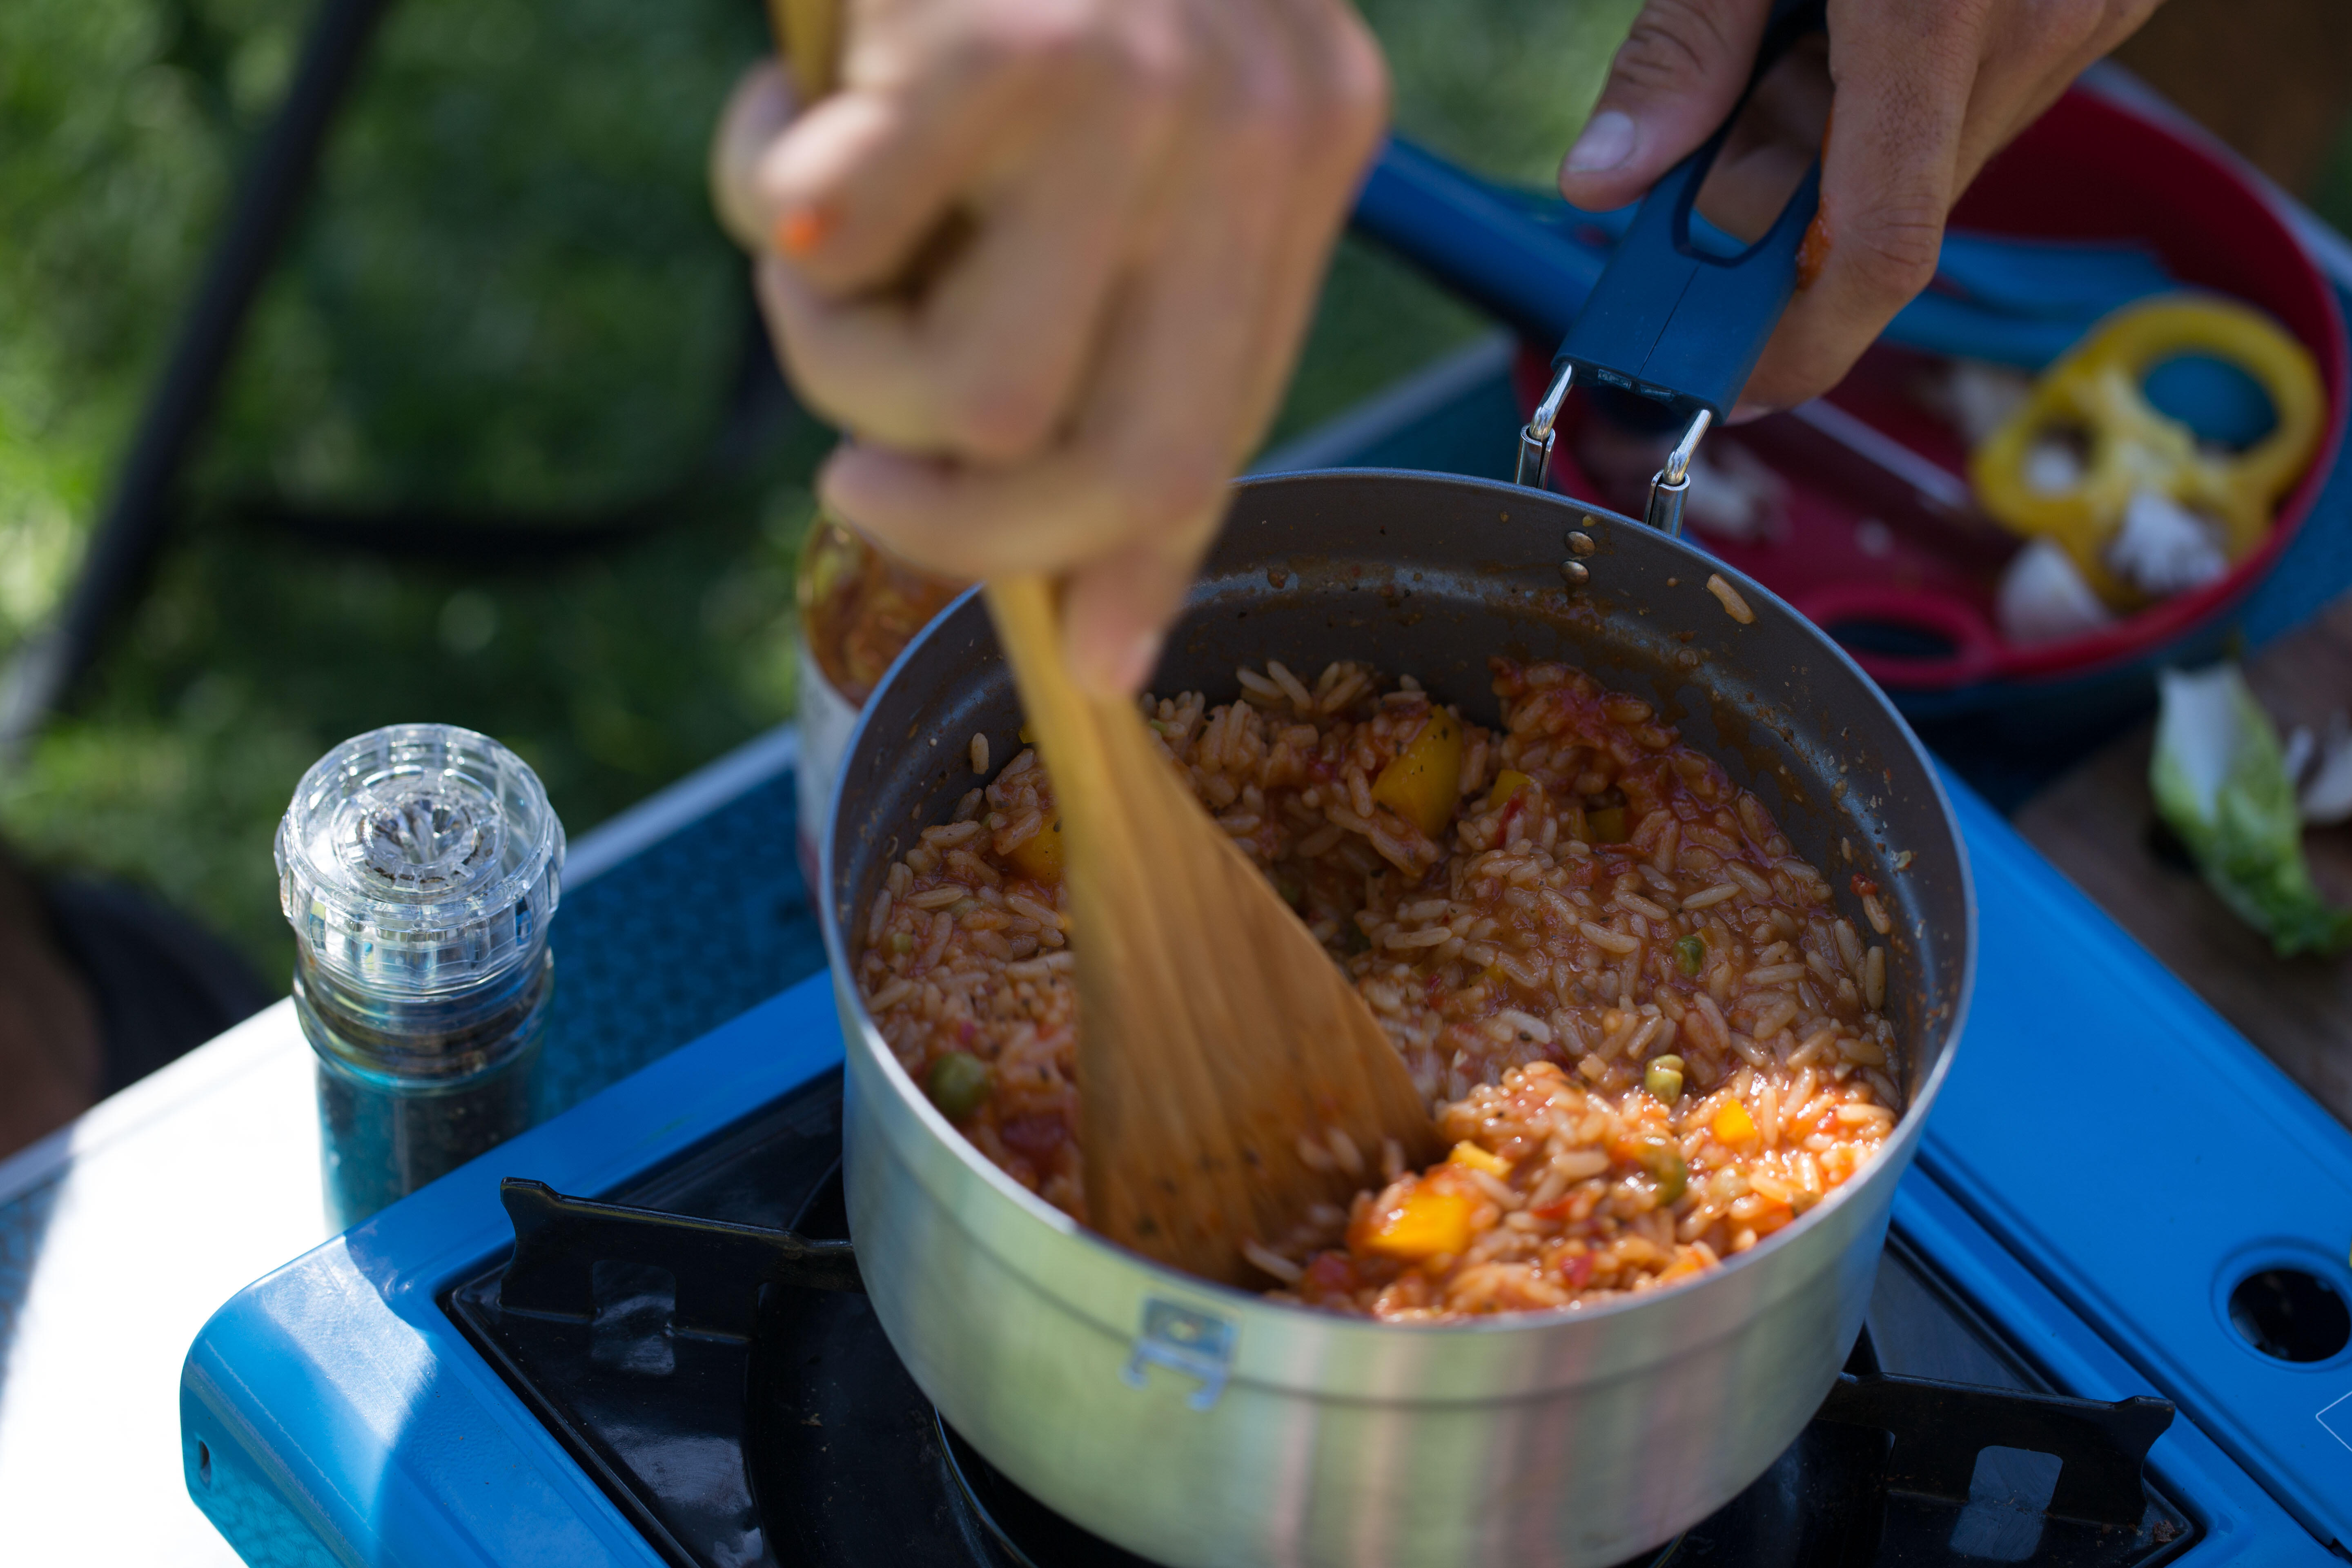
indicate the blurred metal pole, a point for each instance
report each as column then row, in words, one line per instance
column 123, row 548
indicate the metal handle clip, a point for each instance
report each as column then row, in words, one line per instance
column 1670, row 486
column 1535, row 441
column 1186, row 1340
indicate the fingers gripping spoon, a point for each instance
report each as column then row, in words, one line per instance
column 1229, row 1076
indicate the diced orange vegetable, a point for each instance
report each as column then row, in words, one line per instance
column 1683, row 1267
column 1733, row 1124
column 1430, row 1221
column 1039, row 855
column 1508, row 783
column 1607, row 825
column 1424, row 785
column 1467, row 1153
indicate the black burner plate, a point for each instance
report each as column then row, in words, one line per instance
column 808, row 1444
column 658, row 1416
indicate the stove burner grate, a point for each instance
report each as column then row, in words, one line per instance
column 704, row 1352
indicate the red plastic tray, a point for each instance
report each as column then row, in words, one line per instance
column 2090, row 169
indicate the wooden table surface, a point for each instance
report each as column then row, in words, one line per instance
column 2094, row 824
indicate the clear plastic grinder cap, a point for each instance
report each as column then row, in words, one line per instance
column 420, row 860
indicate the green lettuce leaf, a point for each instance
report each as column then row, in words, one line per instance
column 2220, row 782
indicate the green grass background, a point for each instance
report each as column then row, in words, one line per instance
column 507, row 294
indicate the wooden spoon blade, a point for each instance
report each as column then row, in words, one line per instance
column 1229, row 1076
column 1217, row 1038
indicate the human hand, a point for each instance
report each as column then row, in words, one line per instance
column 1920, row 94
column 1148, row 191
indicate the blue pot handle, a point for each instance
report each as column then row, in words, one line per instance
column 1668, row 321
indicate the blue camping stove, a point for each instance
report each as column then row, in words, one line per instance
column 2125, row 1343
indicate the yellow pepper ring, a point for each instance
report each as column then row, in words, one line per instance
column 2094, row 392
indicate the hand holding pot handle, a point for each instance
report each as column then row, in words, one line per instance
column 1916, row 97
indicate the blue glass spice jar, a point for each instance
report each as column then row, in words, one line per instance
column 419, row 866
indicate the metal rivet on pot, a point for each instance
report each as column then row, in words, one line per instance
column 1581, row 543
column 1576, row 572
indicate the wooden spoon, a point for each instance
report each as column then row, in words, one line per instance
column 1229, row 1075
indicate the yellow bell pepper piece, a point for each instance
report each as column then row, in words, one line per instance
column 1732, row 1124
column 1508, row 783
column 1430, row 1221
column 1039, row 855
column 2093, row 395
column 1423, row 783
column 1469, row 1155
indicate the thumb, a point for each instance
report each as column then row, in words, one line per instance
column 1674, row 80
column 757, row 112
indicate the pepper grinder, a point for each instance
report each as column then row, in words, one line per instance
column 419, row 866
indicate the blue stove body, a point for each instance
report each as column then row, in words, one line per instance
column 2099, row 1216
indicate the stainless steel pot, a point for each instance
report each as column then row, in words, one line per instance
column 1195, row 1425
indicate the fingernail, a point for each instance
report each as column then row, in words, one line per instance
column 1607, row 142
column 1124, row 672
column 1743, row 412
column 803, row 229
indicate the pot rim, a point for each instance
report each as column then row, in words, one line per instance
column 1893, row 1156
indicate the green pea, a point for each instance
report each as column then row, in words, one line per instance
column 1674, row 1180
column 957, row 1083
column 1664, row 1164
column 900, row 941
column 1690, row 955
column 1663, row 1078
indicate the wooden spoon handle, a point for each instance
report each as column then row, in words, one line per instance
column 1028, row 619
column 1026, row 609
column 1090, row 746
column 808, row 34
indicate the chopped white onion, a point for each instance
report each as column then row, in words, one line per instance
column 2043, row 598
column 1733, row 495
column 2052, row 468
column 2325, row 796
column 2164, row 548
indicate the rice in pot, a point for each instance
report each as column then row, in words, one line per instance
column 1640, row 1020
